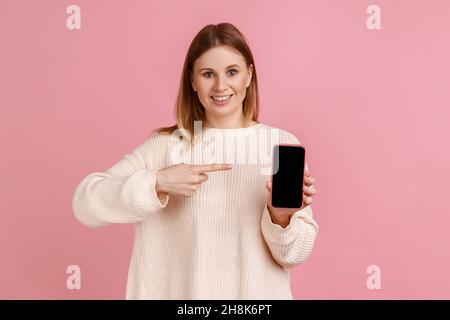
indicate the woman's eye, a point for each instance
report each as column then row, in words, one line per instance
column 234, row 70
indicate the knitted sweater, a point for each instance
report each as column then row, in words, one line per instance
column 219, row 243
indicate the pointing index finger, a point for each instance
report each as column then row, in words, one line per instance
column 212, row 167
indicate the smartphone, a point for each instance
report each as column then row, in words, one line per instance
column 287, row 175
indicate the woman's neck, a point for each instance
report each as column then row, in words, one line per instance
column 231, row 126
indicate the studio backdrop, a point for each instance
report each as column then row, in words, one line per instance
column 364, row 86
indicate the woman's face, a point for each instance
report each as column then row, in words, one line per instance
column 221, row 71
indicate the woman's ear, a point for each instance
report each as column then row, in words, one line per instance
column 250, row 72
column 192, row 81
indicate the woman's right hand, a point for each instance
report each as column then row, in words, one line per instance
column 184, row 179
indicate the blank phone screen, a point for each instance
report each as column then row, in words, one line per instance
column 287, row 176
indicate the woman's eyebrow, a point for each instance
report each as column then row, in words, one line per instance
column 233, row 65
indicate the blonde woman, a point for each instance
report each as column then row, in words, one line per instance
column 205, row 229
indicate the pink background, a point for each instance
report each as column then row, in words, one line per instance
column 371, row 108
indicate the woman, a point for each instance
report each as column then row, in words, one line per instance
column 204, row 229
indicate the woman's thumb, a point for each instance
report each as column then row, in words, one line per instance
column 269, row 185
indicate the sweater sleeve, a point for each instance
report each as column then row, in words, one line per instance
column 292, row 245
column 125, row 193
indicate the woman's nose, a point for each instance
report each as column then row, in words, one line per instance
column 221, row 83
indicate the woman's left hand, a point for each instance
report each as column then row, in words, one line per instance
column 282, row 216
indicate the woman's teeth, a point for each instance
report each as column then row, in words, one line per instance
column 221, row 98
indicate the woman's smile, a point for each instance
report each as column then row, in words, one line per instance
column 221, row 100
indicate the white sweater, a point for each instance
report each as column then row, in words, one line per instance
column 218, row 244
